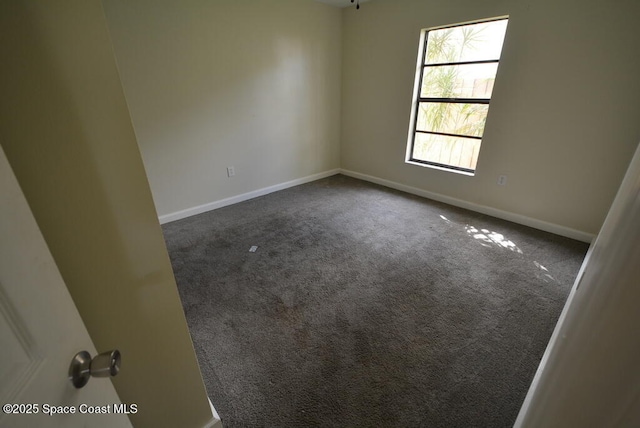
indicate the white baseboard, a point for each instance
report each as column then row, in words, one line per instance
column 494, row 212
column 215, row 422
column 243, row 197
column 505, row 215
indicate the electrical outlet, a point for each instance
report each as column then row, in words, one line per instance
column 502, row 180
column 231, row 171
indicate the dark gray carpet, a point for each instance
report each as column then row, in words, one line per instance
column 367, row 307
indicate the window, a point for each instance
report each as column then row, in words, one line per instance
column 456, row 71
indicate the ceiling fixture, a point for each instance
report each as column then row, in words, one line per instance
column 357, row 4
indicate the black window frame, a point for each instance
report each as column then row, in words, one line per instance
column 418, row 91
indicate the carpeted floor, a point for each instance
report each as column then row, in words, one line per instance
column 367, row 307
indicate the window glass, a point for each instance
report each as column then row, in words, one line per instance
column 473, row 42
column 456, row 78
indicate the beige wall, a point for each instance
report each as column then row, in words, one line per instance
column 253, row 84
column 563, row 122
column 65, row 128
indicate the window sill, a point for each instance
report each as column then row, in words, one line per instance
column 455, row 171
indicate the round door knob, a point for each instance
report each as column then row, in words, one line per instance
column 82, row 367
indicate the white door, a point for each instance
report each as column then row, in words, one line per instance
column 41, row 330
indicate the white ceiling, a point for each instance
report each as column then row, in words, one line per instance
column 341, row 3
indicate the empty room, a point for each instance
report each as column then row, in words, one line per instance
column 326, row 213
